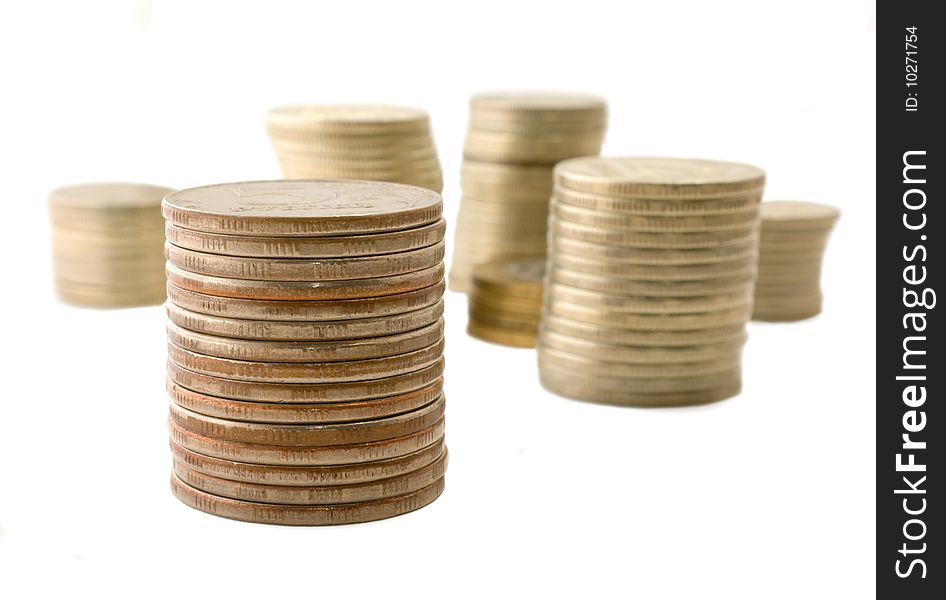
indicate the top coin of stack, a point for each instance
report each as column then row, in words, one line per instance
column 792, row 242
column 305, row 343
column 513, row 141
column 376, row 143
column 506, row 300
column 108, row 244
column 649, row 279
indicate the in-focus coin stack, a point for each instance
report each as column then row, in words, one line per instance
column 506, row 301
column 792, row 241
column 649, row 279
column 513, row 141
column 369, row 142
column 305, row 343
column 108, row 244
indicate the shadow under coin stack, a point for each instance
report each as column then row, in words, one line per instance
column 649, row 281
column 108, row 244
column 513, row 141
column 306, row 350
column 506, row 301
column 792, row 241
column 375, row 143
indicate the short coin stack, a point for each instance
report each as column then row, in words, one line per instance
column 376, row 143
column 506, row 301
column 513, row 141
column 305, row 342
column 649, row 280
column 792, row 242
column 108, row 244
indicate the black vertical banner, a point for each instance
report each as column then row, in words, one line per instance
column 911, row 372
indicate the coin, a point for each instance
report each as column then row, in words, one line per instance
column 302, row 208
column 680, row 272
column 317, row 310
column 630, row 287
column 784, row 215
column 348, row 118
column 315, row 495
column 306, row 455
column 322, row 434
column 108, row 298
column 305, row 330
column 650, row 322
column 315, row 247
column 500, row 335
column 631, row 337
column 278, row 514
column 652, row 177
column 304, row 290
column 302, row 269
column 658, row 207
column 642, row 354
column 539, row 106
column 324, row 412
column 108, row 196
column 334, row 392
column 655, row 240
column 309, row 372
column 305, row 351
column 744, row 221
column 553, row 373
column 587, row 393
column 308, row 476
column 505, row 321
column 565, row 361
column 649, row 305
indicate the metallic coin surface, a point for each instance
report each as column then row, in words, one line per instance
column 279, row 514
column 632, row 337
column 108, row 196
column 789, row 215
column 653, row 240
column 500, row 335
column 621, row 270
column 304, row 290
column 302, row 208
column 554, row 373
column 347, row 118
column 586, row 393
column 669, row 289
column 566, row 361
column 737, row 221
column 305, row 393
column 641, row 354
column 651, row 322
column 649, row 305
column 718, row 206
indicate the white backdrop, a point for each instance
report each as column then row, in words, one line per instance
column 770, row 494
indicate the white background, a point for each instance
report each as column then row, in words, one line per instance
column 767, row 495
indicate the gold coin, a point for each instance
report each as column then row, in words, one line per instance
column 741, row 221
column 528, row 323
column 651, row 322
column 537, row 176
column 302, row 208
column 487, row 303
column 304, row 290
column 539, row 106
column 311, row 247
column 786, row 314
column 305, row 351
column 348, row 118
column 641, row 354
column 306, row 331
column 326, row 514
column 308, row 476
column 647, row 239
column 649, row 304
column 552, row 372
column 314, row 495
column 650, row 256
column 658, row 207
column 107, row 196
column 310, row 372
column 668, row 289
column 323, row 434
column 324, row 412
column 306, row 456
column 631, row 337
column 498, row 335
column 621, row 270
column 785, row 215
column 649, row 177
column 527, row 152
column 520, row 277
column 255, row 391
column 107, row 298
column 588, row 393
column 317, row 310
column 559, row 359
column 304, row 269
column 777, row 259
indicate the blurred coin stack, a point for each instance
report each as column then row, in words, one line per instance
column 108, row 244
column 506, row 300
column 649, row 279
column 369, row 142
column 513, row 141
column 792, row 241
column 305, row 343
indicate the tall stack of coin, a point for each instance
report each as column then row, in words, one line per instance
column 305, row 343
column 792, row 241
column 369, row 142
column 506, row 301
column 108, row 244
column 649, row 279
column 513, row 141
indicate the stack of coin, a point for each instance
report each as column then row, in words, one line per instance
column 376, row 143
column 506, row 301
column 108, row 244
column 792, row 240
column 649, row 279
column 513, row 141
column 305, row 343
